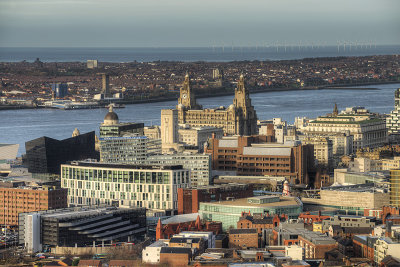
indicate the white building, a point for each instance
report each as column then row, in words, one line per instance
column 198, row 164
column 209, row 237
column 393, row 121
column 385, row 246
column 151, row 187
column 151, row 253
column 367, row 129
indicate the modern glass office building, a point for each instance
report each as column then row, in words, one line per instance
column 128, row 149
column 228, row 212
column 152, row 187
column 198, row 164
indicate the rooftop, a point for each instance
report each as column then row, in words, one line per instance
column 242, row 202
column 242, row 231
column 123, row 166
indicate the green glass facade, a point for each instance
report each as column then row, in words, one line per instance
column 229, row 215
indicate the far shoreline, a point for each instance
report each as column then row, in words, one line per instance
column 252, row 91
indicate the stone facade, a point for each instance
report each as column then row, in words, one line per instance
column 240, row 118
column 367, row 129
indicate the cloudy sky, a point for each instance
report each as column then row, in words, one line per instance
column 175, row 23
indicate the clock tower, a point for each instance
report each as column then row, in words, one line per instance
column 187, row 98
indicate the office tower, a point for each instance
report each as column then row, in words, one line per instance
column 60, row 90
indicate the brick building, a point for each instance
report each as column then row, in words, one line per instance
column 168, row 230
column 316, row 245
column 260, row 221
column 243, row 238
column 187, row 242
column 26, row 199
column 387, row 211
column 189, row 198
column 310, row 219
column 364, row 246
column 175, row 256
column 253, row 155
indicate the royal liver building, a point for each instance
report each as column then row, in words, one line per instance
column 240, row 118
column 393, row 121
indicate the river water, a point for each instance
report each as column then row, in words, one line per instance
column 19, row 126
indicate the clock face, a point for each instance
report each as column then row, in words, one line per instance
column 184, row 96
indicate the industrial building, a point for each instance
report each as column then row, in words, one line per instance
column 80, row 227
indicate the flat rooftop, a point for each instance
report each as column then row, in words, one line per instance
column 242, row 202
column 368, row 188
column 123, row 166
column 79, row 212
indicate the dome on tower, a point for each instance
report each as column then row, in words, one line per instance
column 111, row 117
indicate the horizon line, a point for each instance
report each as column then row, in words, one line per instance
column 209, row 46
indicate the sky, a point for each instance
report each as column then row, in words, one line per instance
column 201, row 23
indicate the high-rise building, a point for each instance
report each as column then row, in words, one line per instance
column 238, row 119
column 105, row 82
column 395, row 188
column 152, row 187
column 393, row 121
column 60, row 90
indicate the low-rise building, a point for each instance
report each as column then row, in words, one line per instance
column 190, row 198
column 383, row 247
column 243, row 238
column 83, row 226
column 151, row 253
column 316, row 245
column 348, row 221
column 259, row 221
column 352, row 199
column 228, row 212
column 175, row 256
